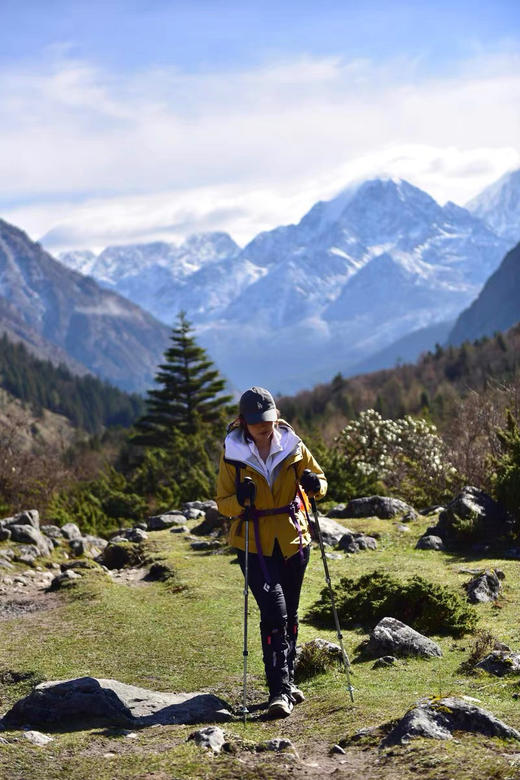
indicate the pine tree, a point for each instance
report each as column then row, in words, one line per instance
column 190, row 396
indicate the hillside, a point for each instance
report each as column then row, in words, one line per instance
column 185, row 635
column 497, row 307
column 433, row 384
column 86, row 402
column 99, row 330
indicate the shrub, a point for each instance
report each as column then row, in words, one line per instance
column 315, row 657
column 426, row 606
column 406, row 455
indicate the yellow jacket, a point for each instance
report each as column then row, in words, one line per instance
column 293, row 458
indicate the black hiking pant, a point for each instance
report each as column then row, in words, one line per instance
column 278, row 602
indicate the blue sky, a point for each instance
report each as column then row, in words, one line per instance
column 126, row 121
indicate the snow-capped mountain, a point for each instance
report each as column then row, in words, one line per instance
column 81, row 260
column 154, row 275
column 499, row 206
column 301, row 302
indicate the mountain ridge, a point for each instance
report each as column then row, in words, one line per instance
column 96, row 328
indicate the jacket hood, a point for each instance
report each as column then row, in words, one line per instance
column 237, row 448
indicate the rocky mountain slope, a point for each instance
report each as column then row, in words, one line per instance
column 499, row 206
column 357, row 273
column 497, row 308
column 70, row 313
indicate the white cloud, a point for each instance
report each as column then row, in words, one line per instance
column 163, row 153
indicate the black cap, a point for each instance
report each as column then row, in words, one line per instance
column 257, row 405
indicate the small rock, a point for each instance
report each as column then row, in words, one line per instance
column 404, row 529
column 334, row 556
column 354, row 543
column 160, row 522
column 500, row 663
column 483, row 588
column 384, row 661
column 52, row 531
column 202, row 544
column 180, row 529
column 37, row 738
column 211, row 737
column 338, row 749
column 430, row 542
column 64, row 579
column 5, row 534
column 70, row 531
column 276, row 744
column 77, row 547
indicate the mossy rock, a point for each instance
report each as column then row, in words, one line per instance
column 121, row 555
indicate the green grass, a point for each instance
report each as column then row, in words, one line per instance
column 165, row 638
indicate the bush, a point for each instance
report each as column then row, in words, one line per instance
column 406, row 455
column 315, row 657
column 423, row 605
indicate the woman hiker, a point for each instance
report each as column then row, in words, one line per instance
column 267, row 450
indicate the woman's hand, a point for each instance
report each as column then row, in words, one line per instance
column 310, row 482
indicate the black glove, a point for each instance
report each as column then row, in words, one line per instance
column 310, row 482
column 246, row 491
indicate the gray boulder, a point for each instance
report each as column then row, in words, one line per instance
column 391, row 637
column 211, row 737
column 28, row 517
column 439, row 718
column 491, row 522
column 26, row 554
column 378, row 506
column 214, row 523
column 500, row 663
column 331, row 530
column 430, row 542
column 28, row 534
column 354, row 543
column 161, row 522
column 70, row 531
column 5, row 533
column 52, row 531
column 91, row 702
column 65, row 579
column 483, row 588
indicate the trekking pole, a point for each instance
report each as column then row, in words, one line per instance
column 245, row 711
column 344, row 656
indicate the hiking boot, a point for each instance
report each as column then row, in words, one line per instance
column 296, row 694
column 280, row 706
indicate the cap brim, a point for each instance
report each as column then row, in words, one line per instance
column 270, row 415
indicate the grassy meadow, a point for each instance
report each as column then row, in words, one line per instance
column 186, row 635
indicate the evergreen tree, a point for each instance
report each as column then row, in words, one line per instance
column 190, row 396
